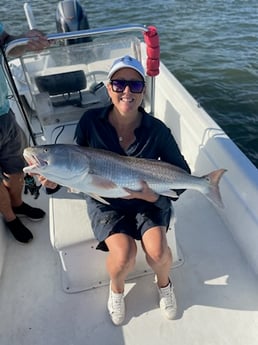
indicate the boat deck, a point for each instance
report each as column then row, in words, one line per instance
column 215, row 288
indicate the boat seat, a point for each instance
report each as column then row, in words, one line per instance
column 61, row 83
column 83, row 267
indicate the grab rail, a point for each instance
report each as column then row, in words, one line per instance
column 79, row 34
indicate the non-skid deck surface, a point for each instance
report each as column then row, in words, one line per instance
column 216, row 292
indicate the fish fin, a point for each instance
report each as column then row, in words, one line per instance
column 27, row 169
column 98, row 198
column 73, row 190
column 101, row 182
column 213, row 193
column 170, row 193
column 92, row 195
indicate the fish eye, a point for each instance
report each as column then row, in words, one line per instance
column 45, row 150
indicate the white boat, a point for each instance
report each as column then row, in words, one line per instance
column 54, row 291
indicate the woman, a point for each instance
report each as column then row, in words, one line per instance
column 125, row 128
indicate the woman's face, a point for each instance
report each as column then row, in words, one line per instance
column 126, row 101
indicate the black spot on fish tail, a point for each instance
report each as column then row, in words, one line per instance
column 213, row 193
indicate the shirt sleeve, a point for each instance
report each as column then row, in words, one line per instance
column 164, row 202
column 169, row 150
column 50, row 191
column 81, row 131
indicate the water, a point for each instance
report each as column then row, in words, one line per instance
column 210, row 45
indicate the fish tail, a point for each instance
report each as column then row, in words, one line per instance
column 213, row 193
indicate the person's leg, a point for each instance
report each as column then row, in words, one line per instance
column 120, row 261
column 158, row 254
column 11, row 164
column 5, row 204
column 14, row 184
column 159, row 257
column 19, row 231
column 11, row 204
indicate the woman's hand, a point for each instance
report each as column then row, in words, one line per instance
column 45, row 182
column 145, row 193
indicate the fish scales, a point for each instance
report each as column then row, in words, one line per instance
column 106, row 174
column 113, row 163
column 129, row 171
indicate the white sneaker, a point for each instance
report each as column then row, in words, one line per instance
column 168, row 301
column 116, row 307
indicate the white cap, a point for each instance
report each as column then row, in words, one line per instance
column 126, row 62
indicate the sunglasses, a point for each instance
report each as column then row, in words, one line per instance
column 135, row 86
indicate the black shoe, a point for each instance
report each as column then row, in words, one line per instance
column 19, row 231
column 31, row 212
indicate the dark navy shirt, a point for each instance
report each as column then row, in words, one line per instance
column 153, row 140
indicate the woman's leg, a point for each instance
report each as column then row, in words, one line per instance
column 158, row 254
column 120, row 260
column 159, row 257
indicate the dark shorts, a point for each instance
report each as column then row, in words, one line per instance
column 12, row 143
column 106, row 220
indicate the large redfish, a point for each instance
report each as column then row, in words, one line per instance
column 102, row 173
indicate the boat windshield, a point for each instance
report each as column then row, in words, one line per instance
column 59, row 84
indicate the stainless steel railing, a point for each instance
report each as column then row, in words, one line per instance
column 79, row 34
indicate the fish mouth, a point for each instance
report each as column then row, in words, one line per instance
column 34, row 161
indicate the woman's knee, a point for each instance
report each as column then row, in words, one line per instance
column 159, row 255
column 155, row 245
column 122, row 249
